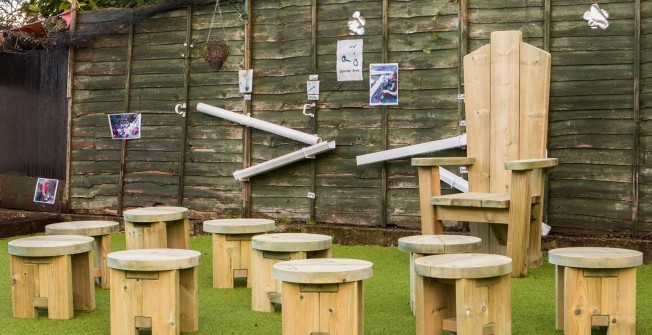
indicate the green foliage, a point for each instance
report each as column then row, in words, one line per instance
column 47, row 8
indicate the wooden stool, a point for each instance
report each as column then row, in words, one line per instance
column 154, row 289
column 53, row 273
column 463, row 293
column 323, row 296
column 99, row 230
column 270, row 249
column 424, row 245
column 596, row 287
column 232, row 247
column 157, row 227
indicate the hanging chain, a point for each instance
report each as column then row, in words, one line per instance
column 216, row 10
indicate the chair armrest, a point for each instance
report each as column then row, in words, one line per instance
column 437, row 161
column 529, row 164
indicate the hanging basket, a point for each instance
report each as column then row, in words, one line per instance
column 215, row 53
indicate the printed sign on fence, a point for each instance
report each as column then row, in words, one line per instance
column 349, row 60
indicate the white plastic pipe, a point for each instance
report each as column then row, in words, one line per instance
column 412, row 150
column 277, row 162
column 453, row 180
column 258, row 124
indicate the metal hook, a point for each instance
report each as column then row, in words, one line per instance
column 183, row 106
column 304, row 109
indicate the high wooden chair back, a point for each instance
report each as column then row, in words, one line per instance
column 507, row 85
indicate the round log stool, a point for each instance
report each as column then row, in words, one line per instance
column 596, row 287
column 463, row 293
column 157, row 227
column 323, row 296
column 232, row 247
column 270, row 249
column 99, row 230
column 424, row 245
column 154, row 289
column 51, row 272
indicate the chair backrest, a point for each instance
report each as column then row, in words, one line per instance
column 507, row 85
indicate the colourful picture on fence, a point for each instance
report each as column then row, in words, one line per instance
column 383, row 84
column 46, row 190
column 125, row 126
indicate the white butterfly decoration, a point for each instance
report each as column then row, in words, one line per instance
column 356, row 24
column 597, row 17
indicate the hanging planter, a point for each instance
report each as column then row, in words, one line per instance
column 215, row 53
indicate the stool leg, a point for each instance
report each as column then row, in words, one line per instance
column 124, row 303
column 188, row 305
column 161, row 302
column 24, row 287
column 582, row 298
column 103, row 248
column 264, row 282
column 559, row 297
column 83, row 289
column 619, row 302
column 58, row 277
column 178, row 234
column 245, row 259
column 413, row 257
column 430, row 305
column 300, row 312
column 342, row 311
column 500, row 305
column 225, row 253
column 472, row 307
column 145, row 235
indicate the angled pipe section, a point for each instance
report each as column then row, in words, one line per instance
column 453, row 180
column 258, row 124
column 412, row 150
column 308, row 152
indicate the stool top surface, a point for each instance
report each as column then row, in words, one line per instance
column 439, row 244
column 153, row 259
column 50, row 245
column 322, row 270
column 239, row 226
column 156, row 214
column 595, row 257
column 459, row 266
column 291, row 242
column 86, row 228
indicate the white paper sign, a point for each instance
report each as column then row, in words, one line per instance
column 349, row 60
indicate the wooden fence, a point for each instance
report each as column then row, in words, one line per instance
column 598, row 119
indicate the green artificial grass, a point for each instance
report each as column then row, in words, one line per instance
column 387, row 310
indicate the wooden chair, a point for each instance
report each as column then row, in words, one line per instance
column 596, row 287
column 323, row 296
column 506, row 99
column 155, row 289
column 467, row 294
column 232, row 247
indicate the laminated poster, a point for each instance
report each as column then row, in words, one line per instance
column 46, row 190
column 349, row 60
column 383, row 84
column 125, row 126
column 245, row 80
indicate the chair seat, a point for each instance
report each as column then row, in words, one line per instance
column 153, row 259
column 473, row 199
column 323, row 270
column 595, row 257
column 50, row 245
column 291, row 242
column 463, row 266
column 239, row 226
